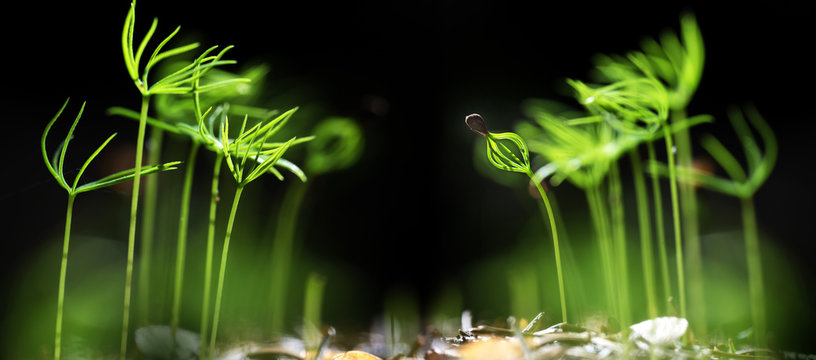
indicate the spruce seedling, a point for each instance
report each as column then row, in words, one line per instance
column 633, row 106
column 337, row 144
column 582, row 154
column 250, row 143
column 55, row 167
column 505, row 159
column 743, row 185
column 205, row 135
column 677, row 63
column 178, row 82
column 583, row 150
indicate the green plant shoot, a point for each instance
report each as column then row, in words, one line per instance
column 55, row 167
column 505, row 159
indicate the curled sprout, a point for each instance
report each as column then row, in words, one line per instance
column 337, row 145
column 498, row 153
column 505, row 159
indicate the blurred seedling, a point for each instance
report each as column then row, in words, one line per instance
column 337, row 144
column 505, row 159
column 742, row 183
column 585, row 148
column 630, row 110
column 677, row 62
column 56, row 167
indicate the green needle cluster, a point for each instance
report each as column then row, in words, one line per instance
column 252, row 144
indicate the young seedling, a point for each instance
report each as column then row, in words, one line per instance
column 55, row 167
column 204, row 135
column 181, row 248
column 633, row 106
column 677, row 62
column 178, row 82
column 250, row 143
column 743, row 185
column 505, row 159
column 585, row 149
column 337, row 144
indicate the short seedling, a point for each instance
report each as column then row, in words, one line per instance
column 505, row 159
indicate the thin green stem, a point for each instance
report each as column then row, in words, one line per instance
column 657, row 197
column 63, row 270
column 223, row 268
column 282, row 252
column 572, row 270
column 646, row 250
column 205, row 308
column 678, row 239
column 154, row 146
column 598, row 216
column 619, row 237
column 312, row 304
column 558, row 267
column 181, row 246
column 134, row 207
column 754, row 259
column 688, row 202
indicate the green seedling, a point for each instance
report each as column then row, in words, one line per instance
column 250, row 143
column 677, row 63
column 645, row 229
column 505, row 159
column 182, row 81
column 582, row 149
column 634, row 105
column 205, row 135
column 181, row 248
column 743, row 184
column 585, row 149
column 337, row 144
column 55, row 167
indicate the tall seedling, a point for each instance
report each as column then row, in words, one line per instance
column 179, row 82
column 55, row 167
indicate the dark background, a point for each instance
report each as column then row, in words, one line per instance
column 412, row 210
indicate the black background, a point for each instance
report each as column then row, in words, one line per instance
column 408, row 213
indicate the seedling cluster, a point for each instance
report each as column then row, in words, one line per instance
column 635, row 102
column 253, row 152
